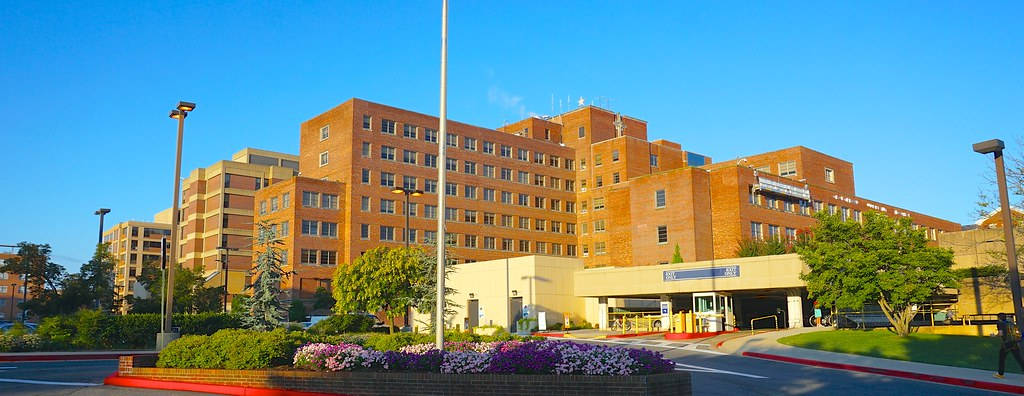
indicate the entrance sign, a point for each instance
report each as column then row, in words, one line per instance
column 784, row 189
column 731, row 271
column 664, row 307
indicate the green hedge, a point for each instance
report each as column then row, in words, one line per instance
column 339, row 324
column 88, row 329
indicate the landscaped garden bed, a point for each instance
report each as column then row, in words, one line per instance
column 496, row 367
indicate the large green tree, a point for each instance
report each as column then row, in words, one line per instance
column 264, row 311
column 97, row 277
column 882, row 260
column 425, row 291
column 191, row 295
column 381, row 280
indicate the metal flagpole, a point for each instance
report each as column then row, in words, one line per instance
column 442, row 142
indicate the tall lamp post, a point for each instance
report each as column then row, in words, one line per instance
column 224, row 270
column 441, row 143
column 995, row 147
column 14, row 286
column 101, row 212
column 407, row 192
column 166, row 336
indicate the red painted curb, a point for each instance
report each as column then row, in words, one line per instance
column 633, row 334
column 117, row 380
column 556, row 335
column 993, row 386
column 88, row 356
column 687, row 336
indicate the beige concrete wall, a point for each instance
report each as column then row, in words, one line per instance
column 766, row 272
column 978, row 247
column 544, row 282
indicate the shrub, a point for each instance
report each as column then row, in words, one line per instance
column 392, row 342
column 17, row 330
column 235, row 349
column 338, row 324
column 58, row 330
column 87, row 329
column 21, row 343
column 206, row 323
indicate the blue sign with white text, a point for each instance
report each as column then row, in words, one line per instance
column 731, row 271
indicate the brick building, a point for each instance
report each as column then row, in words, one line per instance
column 586, row 183
column 133, row 243
column 217, row 208
column 12, row 288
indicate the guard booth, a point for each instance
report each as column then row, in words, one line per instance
column 714, row 312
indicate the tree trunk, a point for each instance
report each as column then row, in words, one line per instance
column 900, row 319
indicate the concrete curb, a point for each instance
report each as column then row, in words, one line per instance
column 992, row 386
column 628, row 335
column 116, row 380
column 66, row 357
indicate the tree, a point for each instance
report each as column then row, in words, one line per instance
column 264, row 309
column 426, row 290
column 677, row 257
column 43, row 277
column 297, row 311
column 322, row 299
column 381, row 280
column 190, row 292
column 97, row 277
column 883, row 260
column 768, row 247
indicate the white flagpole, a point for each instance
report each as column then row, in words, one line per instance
column 442, row 142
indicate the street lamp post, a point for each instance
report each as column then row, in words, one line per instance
column 13, row 287
column 995, row 147
column 101, row 212
column 24, row 299
column 442, row 141
column 224, row 270
column 166, row 336
column 408, row 192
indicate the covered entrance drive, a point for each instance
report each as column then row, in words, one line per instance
column 722, row 295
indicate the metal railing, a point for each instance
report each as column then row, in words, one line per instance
column 761, row 318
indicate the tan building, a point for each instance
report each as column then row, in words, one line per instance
column 133, row 243
column 217, row 208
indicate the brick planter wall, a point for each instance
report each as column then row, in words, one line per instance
column 393, row 383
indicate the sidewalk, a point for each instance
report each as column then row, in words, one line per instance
column 766, row 346
column 65, row 355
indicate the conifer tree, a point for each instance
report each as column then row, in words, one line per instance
column 264, row 309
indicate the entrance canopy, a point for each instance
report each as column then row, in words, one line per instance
column 748, row 273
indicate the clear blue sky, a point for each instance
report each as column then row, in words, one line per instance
column 899, row 90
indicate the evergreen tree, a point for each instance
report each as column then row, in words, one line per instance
column 677, row 257
column 97, row 276
column 322, row 299
column 264, row 309
column 426, row 291
column 297, row 311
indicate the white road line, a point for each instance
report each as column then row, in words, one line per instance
column 700, row 369
column 7, row 368
column 696, row 348
column 21, row 381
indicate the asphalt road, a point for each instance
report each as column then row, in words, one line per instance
column 713, row 374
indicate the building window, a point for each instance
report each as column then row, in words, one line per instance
column 387, row 153
column 542, row 247
column 328, row 229
column 409, row 182
column 410, row 209
column 755, row 231
column 506, row 197
column 387, row 233
column 570, row 228
column 489, row 218
column 598, row 181
column 309, row 228
column 790, row 234
column 409, row 131
column 489, row 243
column 599, row 225
column 451, row 189
column 273, row 204
column 506, row 174
column 538, row 202
column 830, row 175
column 615, row 155
column 764, row 169
column 586, row 250
column 328, row 257
column 538, row 180
column 329, row 201
column 522, row 155
column 524, row 246
column 286, row 200
column 430, row 211
column 430, row 135
column 409, row 157
column 410, row 235
column 366, row 176
column 556, row 204
column 387, row 126
column 310, row 199
column 787, row 169
column 523, row 200
column 469, row 241
column 524, row 222
column 366, row 149
column 570, row 250
column 308, row 256
column 263, row 207
column 506, row 151
column 367, row 122
column 451, row 214
column 662, row 234
column 597, row 160
column 538, row 158
column 506, row 221
column 469, row 143
column 469, row 192
column 451, row 164
column 582, row 132
column 659, row 199
column 387, row 206
column 599, row 248
column 469, row 167
column 364, row 204
column 387, row 179
column 323, row 158
column 506, row 244
column 430, row 186
column 489, row 171
column 773, row 232
column 615, row 178
column 451, row 140
column 325, row 132
column 469, row 216
column 488, row 147
column 654, row 160
column 599, row 203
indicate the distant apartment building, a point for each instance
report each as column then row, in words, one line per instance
column 134, row 243
column 586, row 183
column 12, row 288
column 217, row 209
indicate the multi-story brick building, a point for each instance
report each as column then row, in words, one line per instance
column 12, row 288
column 133, row 243
column 586, row 183
column 217, row 208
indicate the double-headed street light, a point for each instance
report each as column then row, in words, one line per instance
column 995, row 147
column 408, row 192
column 166, row 336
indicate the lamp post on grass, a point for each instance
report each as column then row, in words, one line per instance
column 995, row 147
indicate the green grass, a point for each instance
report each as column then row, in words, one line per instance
column 948, row 350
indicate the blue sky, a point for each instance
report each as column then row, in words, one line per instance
column 901, row 90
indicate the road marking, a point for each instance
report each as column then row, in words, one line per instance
column 7, row 368
column 697, row 348
column 686, row 346
column 21, row 381
column 701, row 369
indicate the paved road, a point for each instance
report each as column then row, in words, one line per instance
column 713, row 374
column 78, row 378
column 720, row 374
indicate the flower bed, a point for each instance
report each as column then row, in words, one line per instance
column 510, row 357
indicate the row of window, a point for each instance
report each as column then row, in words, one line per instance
column 388, row 233
column 387, row 206
column 788, row 169
column 473, row 168
column 318, row 257
column 757, row 232
column 387, row 179
column 275, row 204
column 3, row 289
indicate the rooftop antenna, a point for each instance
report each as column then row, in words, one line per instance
column 552, row 103
column 560, row 111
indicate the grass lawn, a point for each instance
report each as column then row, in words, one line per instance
column 949, row 350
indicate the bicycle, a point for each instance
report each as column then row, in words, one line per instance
column 827, row 320
column 621, row 321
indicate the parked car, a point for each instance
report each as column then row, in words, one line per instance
column 4, row 327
